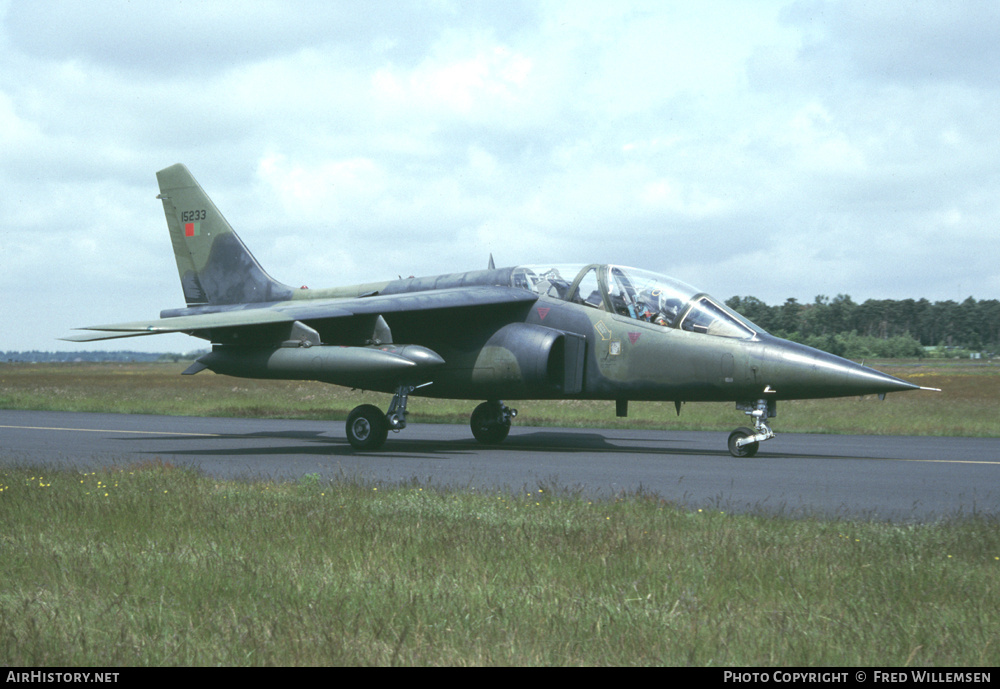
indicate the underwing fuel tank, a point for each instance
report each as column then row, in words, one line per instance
column 365, row 367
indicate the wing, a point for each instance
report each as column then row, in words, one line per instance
column 250, row 322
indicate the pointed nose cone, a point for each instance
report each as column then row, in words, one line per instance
column 795, row 371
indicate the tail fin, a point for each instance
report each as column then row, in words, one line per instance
column 215, row 266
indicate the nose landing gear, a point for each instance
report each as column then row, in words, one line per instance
column 744, row 442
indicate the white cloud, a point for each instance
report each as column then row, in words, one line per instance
column 329, row 191
column 777, row 149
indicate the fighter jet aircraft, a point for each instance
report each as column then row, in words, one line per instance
column 597, row 332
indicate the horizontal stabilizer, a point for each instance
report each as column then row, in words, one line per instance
column 97, row 336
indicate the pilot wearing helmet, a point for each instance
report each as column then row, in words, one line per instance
column 654, row 307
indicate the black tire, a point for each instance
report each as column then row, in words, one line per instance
column 367, row 427
column 745, row 451
column 485, row 425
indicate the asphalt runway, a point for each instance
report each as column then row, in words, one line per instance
column 868, row 477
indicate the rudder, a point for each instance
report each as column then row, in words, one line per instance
column 214, row 265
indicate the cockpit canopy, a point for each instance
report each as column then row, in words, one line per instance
column 637, row 294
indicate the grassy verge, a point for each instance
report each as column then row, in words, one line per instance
column 967, row 407
column 152, row 565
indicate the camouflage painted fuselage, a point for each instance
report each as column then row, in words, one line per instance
column 549, row 347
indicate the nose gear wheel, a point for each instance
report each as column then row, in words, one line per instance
column 748, row 450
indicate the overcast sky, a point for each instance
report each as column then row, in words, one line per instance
column 770, row 148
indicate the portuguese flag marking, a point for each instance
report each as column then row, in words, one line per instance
column 192, row 229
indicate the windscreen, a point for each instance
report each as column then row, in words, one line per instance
column 637, row 294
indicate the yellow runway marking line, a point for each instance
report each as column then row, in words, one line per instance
column 106, row 430
column 951, row 461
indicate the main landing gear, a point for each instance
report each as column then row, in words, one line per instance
column 491, row 422
column 367, row 427
column 744, row 442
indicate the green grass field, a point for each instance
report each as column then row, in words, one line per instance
column 153, row 565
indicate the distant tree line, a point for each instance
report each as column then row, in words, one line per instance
column 879, row 327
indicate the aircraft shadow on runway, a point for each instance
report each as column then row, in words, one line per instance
column 550, row 441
